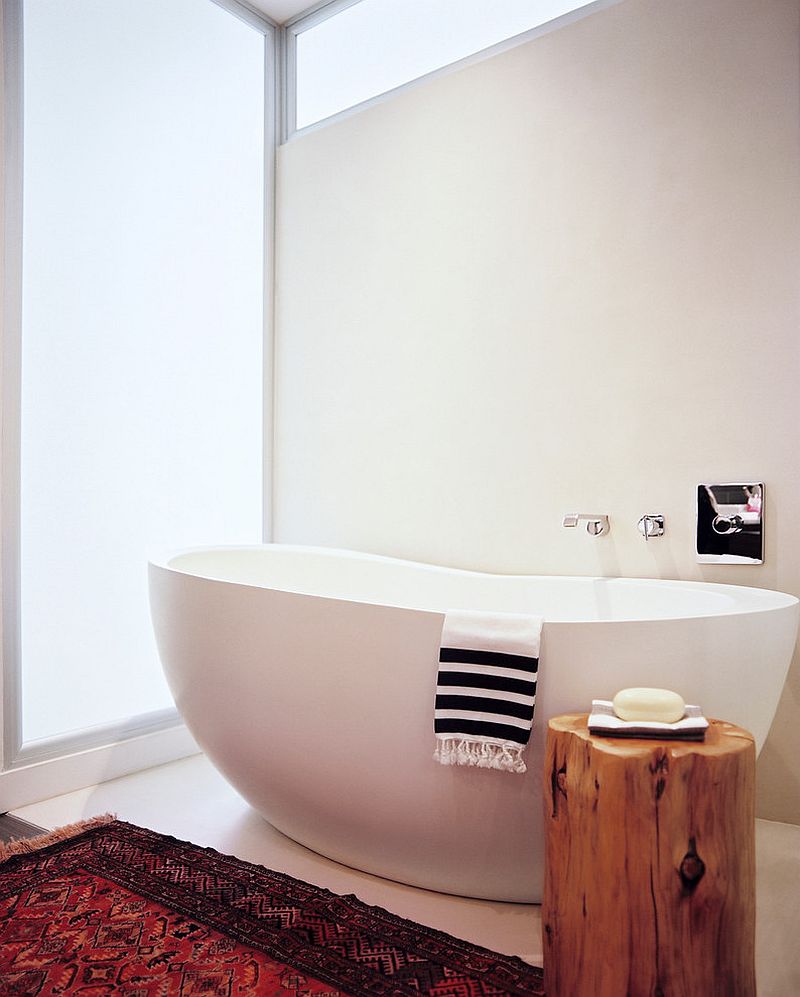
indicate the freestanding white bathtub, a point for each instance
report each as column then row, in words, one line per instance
column 308, row 677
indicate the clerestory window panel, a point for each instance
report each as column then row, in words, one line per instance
column 373, row 46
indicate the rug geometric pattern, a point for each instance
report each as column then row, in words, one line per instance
column 119, row 909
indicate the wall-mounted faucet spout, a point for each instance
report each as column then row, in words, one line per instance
column 595, row 524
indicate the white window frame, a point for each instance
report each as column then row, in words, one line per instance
column 330, row 8
column 54, row 765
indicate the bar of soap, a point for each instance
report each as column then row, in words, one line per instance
column 659, row 705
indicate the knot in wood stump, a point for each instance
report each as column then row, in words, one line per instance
column 558, row 784
column 692, row 868
column 660, row 763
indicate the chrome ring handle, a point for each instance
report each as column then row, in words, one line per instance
column 725, row 525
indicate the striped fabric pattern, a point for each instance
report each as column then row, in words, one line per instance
column 486, row 689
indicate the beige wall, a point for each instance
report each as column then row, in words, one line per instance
column 564, row 278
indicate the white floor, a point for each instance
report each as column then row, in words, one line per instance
column 190, row 800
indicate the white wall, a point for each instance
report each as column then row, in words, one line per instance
column 565, row 278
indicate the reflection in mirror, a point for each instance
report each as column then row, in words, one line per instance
column 730, row 523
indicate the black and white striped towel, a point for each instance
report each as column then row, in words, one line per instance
column 486, row 689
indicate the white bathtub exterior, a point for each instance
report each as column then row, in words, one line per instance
column 308, row 676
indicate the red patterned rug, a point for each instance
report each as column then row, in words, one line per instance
column 110, row 908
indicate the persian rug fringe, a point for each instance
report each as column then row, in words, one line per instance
column 24, row 846
column 462, row 751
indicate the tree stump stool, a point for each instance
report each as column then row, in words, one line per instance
column 650, row 864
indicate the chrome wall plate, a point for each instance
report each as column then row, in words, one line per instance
column 730, row 523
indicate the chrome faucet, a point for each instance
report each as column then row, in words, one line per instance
column 651, row 526
column 595, row 524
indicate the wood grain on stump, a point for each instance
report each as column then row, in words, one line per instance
column 650, row 874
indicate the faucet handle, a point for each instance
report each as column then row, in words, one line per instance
column 651, row 526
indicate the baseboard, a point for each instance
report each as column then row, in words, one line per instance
column 55, row 776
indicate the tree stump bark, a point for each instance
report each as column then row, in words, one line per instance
column 650, row 874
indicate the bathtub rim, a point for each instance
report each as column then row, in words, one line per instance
column 766, row 599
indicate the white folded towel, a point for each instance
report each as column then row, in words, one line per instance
column 486, row 689
column 603, row 720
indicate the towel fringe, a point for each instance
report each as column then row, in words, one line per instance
column 461, row 751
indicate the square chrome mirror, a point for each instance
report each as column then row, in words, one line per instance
column 730, row 523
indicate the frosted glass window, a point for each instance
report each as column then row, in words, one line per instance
column 376, row 45
column 141, row 421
